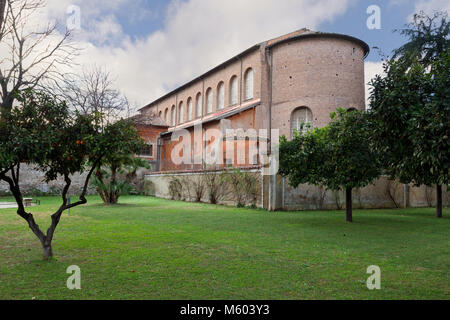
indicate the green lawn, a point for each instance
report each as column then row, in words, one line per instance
column 148, row 248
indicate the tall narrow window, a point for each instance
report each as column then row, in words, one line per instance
column 199, row 105
column 181, row 113
column 160, row 114
column 300, row 118
column 249, row 84
column 166, row 116
column 147, row 150
column 172, row 116
column 220, row 96
column 234, row 91
column 209, row 101
column 189, row 109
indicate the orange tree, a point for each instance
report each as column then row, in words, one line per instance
column 337, row 156
column 410, row 113
column 42, row 132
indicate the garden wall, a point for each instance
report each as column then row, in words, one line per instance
column 158, row 185
column 383, row 194
column 32, row 181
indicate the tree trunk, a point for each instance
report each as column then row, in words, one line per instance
column 2, row 16
column 47, row 251
column 439, row 201
column 112, row 185
column 348, row 204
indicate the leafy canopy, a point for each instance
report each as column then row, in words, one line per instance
column 338, row 156
column 410, row 111
column 428, row 38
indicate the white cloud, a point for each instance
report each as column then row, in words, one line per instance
column 196, row 36
column 371, row 70
column 393, row 3
column 431, row 6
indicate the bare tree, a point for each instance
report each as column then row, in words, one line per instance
column 2, row 16
column 33, row 52
column 94, row 92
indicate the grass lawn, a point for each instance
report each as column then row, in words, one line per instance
column 147, row 248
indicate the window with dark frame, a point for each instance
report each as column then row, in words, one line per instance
column 147, row 150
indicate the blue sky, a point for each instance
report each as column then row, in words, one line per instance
column 353, row 22
column 394, row 15
column 153, row 46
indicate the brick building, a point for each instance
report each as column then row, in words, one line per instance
column 277, row 84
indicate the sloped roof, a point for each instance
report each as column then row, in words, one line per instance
column 148, row 120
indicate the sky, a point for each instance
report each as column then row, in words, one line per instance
column 154, row 46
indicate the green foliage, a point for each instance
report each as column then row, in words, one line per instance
column 42, row 132
column 410, row 112
column 428, row 38
column 351, row 161
column 338, row 156
column 108, row 189
column 122, row 141
column 300, row 158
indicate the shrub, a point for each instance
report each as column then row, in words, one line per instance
column 237, row 185
column 216, row 183
column 175, row 188
column 198, row 186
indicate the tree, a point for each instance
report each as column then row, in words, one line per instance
column 94, row 91
column 91, row 93
column 42, row 132
column 124, row 142
column 35, row 50
column 337, row 156
column 2, row 17
column 410, row 111
column 428, row 38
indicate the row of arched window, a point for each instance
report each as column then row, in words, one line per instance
column 177, row 115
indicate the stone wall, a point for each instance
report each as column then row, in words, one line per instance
column 158, row 185
column 32, row 181
column 384, row 193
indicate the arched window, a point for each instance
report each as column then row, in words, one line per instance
column 351, row 109
column 199, row 105
column 172, row 116
column 209, row 101
column 181, row 113
column 301, row 117
column 166, row 116
column 220, row 96
column 233, row 90
column 249, row 84
column 189, row 109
